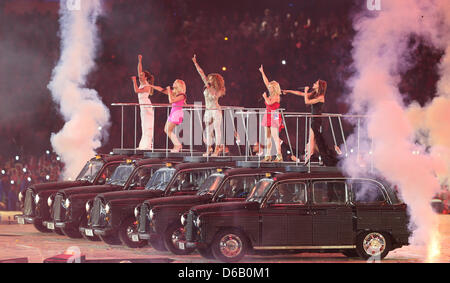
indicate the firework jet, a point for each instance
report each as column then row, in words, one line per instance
column 381, row 53
column 84, row 113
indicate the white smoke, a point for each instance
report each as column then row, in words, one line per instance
column 87, row 119
column 381, row 54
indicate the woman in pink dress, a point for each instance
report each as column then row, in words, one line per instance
column 272, row 122
column 177, row 97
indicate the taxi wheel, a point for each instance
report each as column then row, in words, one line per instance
column 72, row 232
column 59, row 231
column 127, row 228
column 40, row 227
column 157, row 243
column 230, row 245
column 172, row 237
column 373, row 245
column 112, row 240
column 206, row 252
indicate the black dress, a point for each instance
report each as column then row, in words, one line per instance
column 328, row 156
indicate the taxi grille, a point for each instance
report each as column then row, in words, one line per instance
column 97, row 215
column 143, row 220
column 29, row 203
column 190, row 233
column 58, row 209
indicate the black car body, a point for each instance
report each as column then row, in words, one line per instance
column 160, row 217
column 96, row 171
column 68, row 210
column 116, row 224
column 317, row 211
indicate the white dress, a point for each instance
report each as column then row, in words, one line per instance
column 147, row 120
column 212, row 119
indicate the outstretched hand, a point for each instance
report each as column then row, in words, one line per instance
column 194, row 59
column 133, row 78
column 261, row 69
column 140, row 57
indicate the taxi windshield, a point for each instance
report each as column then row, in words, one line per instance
column 260, row 190
column 160, row 179
column 210, row 185
column 90, row 170
column 121, row 175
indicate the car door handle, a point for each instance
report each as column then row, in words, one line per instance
column 319, row 212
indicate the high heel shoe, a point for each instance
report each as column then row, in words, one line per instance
column 218, row 150
column 208, row 151
column 279, row 158
column 268, row 158
column 176, row 149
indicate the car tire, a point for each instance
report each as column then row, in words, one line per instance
column 157, row 243
column 128, row 226
column 206, row 252
column 40, row 227
column 173, row 234
column 373, row 245
column 229, row 245
column 72, row 232
column 59, row 231
column 112, row 240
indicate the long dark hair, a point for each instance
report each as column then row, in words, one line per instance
column 321, row 91
column 150, row 79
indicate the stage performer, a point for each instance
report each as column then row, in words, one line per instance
column 272, row 120
column 316, row 143
column 177, row 97
column 144, row 91
column 214, row 89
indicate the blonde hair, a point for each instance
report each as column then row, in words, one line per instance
column 274, row 88
column 180, row 85
column 218, row 83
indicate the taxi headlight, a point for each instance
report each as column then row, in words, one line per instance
column 136, row 211
column 151, row 214
column 183, row 220
column 67, row 203
column 36, row 199
column 197, row 222
column 88, row 206
column 20, row 196
column 107, row 208
column 49, row 201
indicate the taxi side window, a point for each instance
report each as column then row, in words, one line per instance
column 289, row 193
column 366, row 192
column 191, row 180
column 329, row 192
column 142, row 176
column 239, row 187
column 108, row 171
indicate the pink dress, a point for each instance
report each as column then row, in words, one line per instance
column 176, row 113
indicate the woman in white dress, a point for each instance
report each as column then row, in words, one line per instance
column 214, row 89
column 144, row 91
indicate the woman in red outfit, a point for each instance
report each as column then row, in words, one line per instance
column 272, row 121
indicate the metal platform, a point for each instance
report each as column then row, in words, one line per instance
column 168, row 154
column 258, row 164
column 220, row 158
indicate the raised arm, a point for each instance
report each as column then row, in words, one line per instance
column 139, row 67
column 265, row 79
column 200, row 71
column 296, row 92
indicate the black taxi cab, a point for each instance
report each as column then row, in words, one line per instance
column 159, row 219
column 317, row 211
column 111, row 216
column 36, row 199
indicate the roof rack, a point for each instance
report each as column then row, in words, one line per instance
column 258, row 164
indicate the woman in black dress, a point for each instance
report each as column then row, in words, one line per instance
column 316, row 143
